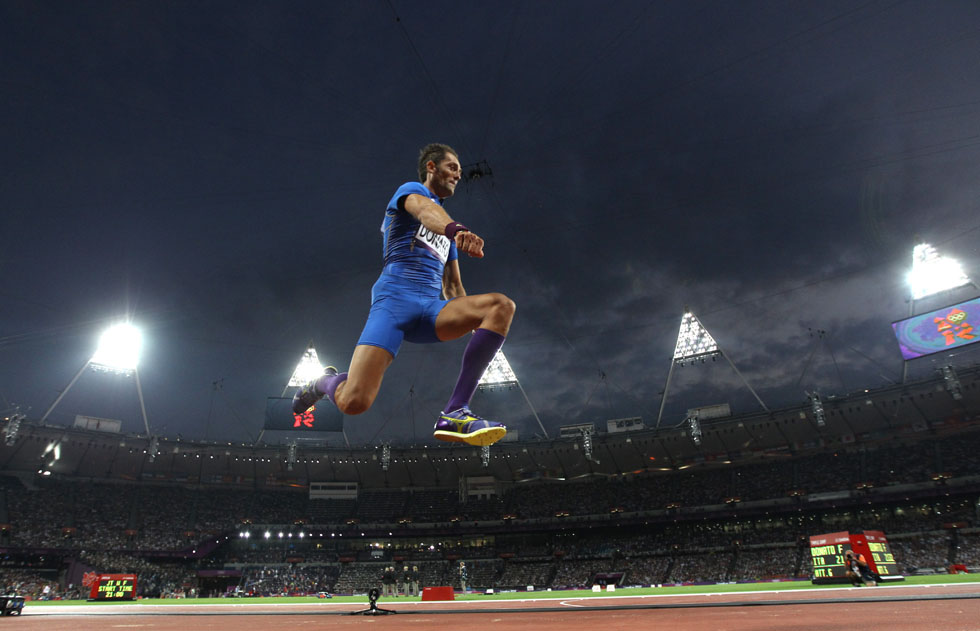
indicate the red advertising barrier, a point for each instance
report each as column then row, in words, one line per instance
column 438, row 593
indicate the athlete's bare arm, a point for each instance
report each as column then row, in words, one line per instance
column 435, row 218
column 452, row 282
column 430, row 214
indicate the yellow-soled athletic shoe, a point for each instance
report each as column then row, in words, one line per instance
column 462, row 426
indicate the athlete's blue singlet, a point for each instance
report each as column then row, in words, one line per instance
column 420, row 255
column 407, row 297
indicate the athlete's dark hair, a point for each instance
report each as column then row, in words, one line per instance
column 436, row 152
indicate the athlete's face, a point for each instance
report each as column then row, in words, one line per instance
column 444, row 177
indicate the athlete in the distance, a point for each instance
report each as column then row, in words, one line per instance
column 421, row 245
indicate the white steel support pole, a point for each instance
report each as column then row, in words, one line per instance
column 905, row 362
column 64, row 392
column 732, row 364
column 139, row 391
column 533, row 411
column 663, row 399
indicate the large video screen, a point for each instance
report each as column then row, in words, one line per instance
column 940, row 330
column 324, row 418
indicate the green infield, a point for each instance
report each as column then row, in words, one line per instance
column 936, row 579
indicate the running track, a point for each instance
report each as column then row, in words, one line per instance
column 897, row 608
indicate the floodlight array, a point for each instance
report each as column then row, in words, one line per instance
column 119, row 349
column 498, row 373
column 385, row 457
column 816, row 406
column 693, row 340
column 11, row 429
column 694, row 429
column 307, row 369
column 54, row 449
column 587, row 445
column 485, row 455
column 952, row 383
column 932, row 273
column 153, row 450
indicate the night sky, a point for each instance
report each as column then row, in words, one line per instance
column 218, row 172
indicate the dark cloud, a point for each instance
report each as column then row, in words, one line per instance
column 219, row 172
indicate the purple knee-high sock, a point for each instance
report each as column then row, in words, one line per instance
column 327, row 384
column 478, row 354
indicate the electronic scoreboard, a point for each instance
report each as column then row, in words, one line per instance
column 827, row 554
column 880, row 556
column 113, row 587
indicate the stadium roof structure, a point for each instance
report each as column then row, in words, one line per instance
column 896, row 412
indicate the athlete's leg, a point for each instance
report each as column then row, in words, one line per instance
column 352, row 392
column 356, row 394
column 491, row 316
column 493, row 312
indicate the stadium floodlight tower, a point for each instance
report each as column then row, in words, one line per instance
column 931, row 274
column 499, row 374
column 118, row 352
column 693, row 343
column 308, row 369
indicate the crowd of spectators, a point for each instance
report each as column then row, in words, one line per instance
column 767, row 563
column 82, row 513
column 968, row 551
column 31, row 584
column 710, row 567
column 520, row 575
column 589, row 563
column 572, row 573
column 645, row 570
column 120, row 527
column 155, row 579
column 289, row 580
column 927, row 551
column 883, row 466
column 37, row 523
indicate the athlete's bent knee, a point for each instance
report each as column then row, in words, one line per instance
column 504, row 306
column 353, row 406
column 499, row 315
column 352, row 401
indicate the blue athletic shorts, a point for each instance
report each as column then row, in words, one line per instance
column 401, row 310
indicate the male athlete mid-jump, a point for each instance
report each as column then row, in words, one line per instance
column 419, row 297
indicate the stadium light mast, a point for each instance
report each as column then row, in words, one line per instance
column 693, row 343
column 308, row 368
column 500, row 374
column 118, row 352
column 931, row 274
